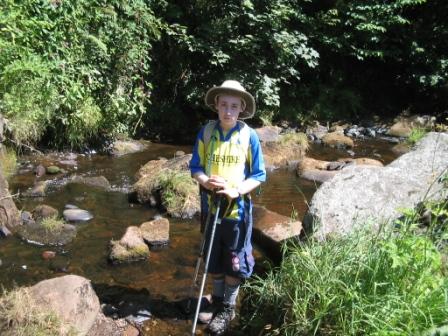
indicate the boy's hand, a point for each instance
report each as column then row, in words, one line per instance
column 215, row 182
column 230, row 193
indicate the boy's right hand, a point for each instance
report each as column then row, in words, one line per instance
column 215, row 182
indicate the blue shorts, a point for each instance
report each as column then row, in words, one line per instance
column 232, row 244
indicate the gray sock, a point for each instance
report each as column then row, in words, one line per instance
column 218, row 288
column 230, row 294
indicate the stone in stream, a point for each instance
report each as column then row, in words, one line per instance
column 47, row 255
column 36, row 234
column 122, row 147
column 130, row 247
column 272, row 229
column 358, row 196
column 40, row 170
column 44, row 211
column 322, row 171
column 337, row 140
column 4, row 231
column 156, row 232
column 38, row 190
column 53, row 170
column 94, row 181
column 77, row 215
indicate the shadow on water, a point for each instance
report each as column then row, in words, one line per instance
column 161, row 283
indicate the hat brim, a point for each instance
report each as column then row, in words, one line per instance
column 248, row 112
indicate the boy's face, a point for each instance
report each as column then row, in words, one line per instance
column 229, row 108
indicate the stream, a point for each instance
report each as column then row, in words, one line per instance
column 164, row 279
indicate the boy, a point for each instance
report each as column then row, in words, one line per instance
column 227, row 158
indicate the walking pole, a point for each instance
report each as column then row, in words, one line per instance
column 198, row 261
column 216, row 220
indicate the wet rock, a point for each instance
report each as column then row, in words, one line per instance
column 179, row 153
column 70, row 206
column 53, row 170
column 44, row 211
column 47, row 255
column 121, row 147
column 154, row 166
column 401, row 148
column 39, row 235
column 322, row 171
column 156, row 232
column 9, row 215
column 130, row 247
column 68, row 162
column 130, row 330
column 401, row 129
column 1, row 263
column 40, row 170
column 94, row 181
column 272, row 229
column 390, row 139
column 38, row 190
column 268, row 133
column 71, row 298
column 373, row 195
column 148, row 189
column 105, row 326
column 27, row 218
column 291, row 148
column 317, row 131
column 337, row 140
column 4, row 232
column 77, row 215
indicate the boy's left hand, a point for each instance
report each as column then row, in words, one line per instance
column 230, row 193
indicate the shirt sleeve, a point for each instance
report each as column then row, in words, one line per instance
column 257, row 169
column 197, row 160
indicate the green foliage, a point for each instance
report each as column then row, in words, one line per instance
column 417, row 133
column 8, row 161
column 74, row 69
column 179, row 190
column 52, row 224
column 389, row 283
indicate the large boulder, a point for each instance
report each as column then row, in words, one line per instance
column 9, row 215
column 358, row 196
column 71, row 298
column 168, row 184
column 337, row 139
column 289, row 149
column 268, row 133
column 272, row 229
column 322, row 171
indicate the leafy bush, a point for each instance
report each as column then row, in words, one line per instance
column 74, row 70
column 417, row 133
column 389, row 283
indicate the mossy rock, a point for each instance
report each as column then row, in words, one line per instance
column 53, row 170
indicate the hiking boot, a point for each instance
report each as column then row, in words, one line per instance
column 206, row 314
column 221, row 321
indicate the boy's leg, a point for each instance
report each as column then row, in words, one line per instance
column 226, row 314
column 208, row 312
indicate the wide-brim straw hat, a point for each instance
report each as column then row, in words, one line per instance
column 232, row 88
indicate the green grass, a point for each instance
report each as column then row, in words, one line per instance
column 296, row 138
column 8, row 162
column 416, row 135
column 387, row 283
column 52, row 224
column 20, row 316
column 179, row 189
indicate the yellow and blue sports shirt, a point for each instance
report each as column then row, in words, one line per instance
column 226, row 156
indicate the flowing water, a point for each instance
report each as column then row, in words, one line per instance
column 165, row 278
